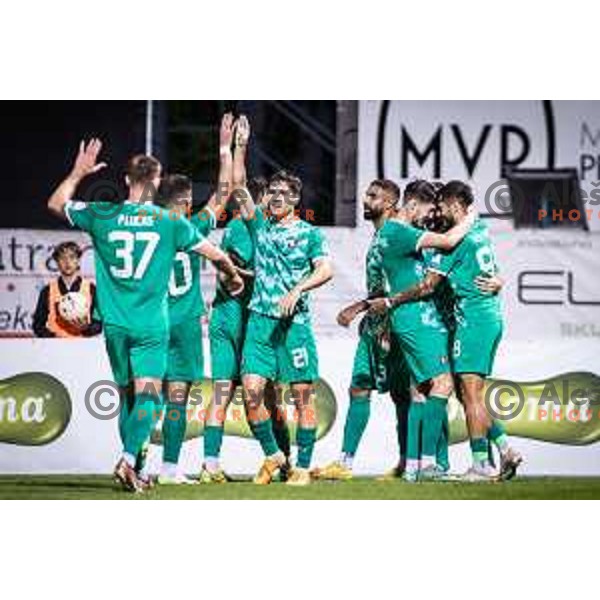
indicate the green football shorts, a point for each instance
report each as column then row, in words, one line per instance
column 134, row 354
column 280, row 350
column 381, row 368
column 475, row 345
column 186, row 356
column 227, row 331
column 425, row 348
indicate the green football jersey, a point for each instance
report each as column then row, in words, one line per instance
column 285, row 255
column 443, row 296
column 376, row 285
column 134, row 251
column 472, row 257
column 237, row 242
column 185, row 293
column 403, row 268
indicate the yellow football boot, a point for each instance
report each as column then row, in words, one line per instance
column 334, row 471
column 298, row 477
column 267, row 471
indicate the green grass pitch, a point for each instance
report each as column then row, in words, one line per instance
column 101, row 487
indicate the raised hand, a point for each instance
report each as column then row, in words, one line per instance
column 85, row 163
column 242, row 131
column 226, row 131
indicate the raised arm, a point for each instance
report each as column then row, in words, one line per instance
column 423, row 289
column 85, row 164
column 218, row 201
column 450, row 239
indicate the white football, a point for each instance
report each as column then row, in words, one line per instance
column 72, row 307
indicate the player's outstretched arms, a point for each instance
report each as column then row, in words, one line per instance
column 218, row 201
column 489, row 285
column 450, row 239
column 232, row 280
column 85, row 164
column 321, row 274
column 423, row 289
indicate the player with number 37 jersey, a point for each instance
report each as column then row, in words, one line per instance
column 135, row 244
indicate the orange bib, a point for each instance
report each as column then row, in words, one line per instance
column 55, row 323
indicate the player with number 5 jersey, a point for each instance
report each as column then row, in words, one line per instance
column 135, row 243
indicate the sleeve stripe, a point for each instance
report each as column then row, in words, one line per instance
column 66, row 210
column 213, row 217
column 437, row 270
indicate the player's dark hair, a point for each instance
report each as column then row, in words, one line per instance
column 143, row 168
column 257, row 186
column 437, row 186
column 293, row 182
column 65, row 247
column 388, row 186
column 172, row 187
column 459, row 190
column 420, row 190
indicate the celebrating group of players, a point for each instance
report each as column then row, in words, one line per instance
column 432, row 316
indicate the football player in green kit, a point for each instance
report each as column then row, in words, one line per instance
column 228, row 322
column 420, row 332
column 134, row 248
column 478, row 326
column 378, row 362
column 291, row 259
column 186, row 304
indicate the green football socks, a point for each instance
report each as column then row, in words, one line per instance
column 141, row 421
column 416, row 413
column 263, row 432
column 305, row 439
column 479, row 450
column 497, row 435
column 173, row 431
column 435, row 414
column 442, row 453
column 213, row 440
column 357, row 418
